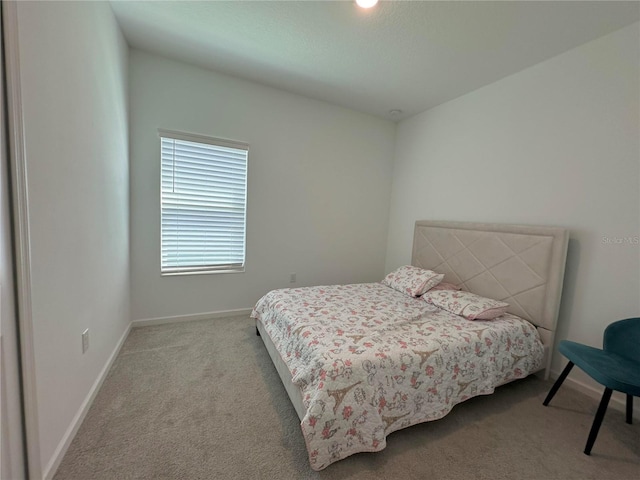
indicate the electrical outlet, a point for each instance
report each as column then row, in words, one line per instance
column 292, row 278
column 85, row 340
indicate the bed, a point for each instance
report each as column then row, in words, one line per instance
column 362, row 361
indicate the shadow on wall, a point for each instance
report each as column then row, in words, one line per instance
column 568, row 291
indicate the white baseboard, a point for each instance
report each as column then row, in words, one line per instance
column 63, row 446
column 618, row 400
column 145, row 322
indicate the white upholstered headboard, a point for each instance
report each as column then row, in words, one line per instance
column 519, row 264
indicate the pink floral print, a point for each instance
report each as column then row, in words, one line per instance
column 467, row 304
column 370, row 360
column 413, row 281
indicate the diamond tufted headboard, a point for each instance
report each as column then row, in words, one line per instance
column 521, row 265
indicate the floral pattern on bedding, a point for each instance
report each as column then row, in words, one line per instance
column 370, row 360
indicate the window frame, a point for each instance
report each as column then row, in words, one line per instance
column 211, row 268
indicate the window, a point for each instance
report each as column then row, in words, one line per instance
column 203, row 205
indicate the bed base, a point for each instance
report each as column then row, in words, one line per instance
column 283, row 371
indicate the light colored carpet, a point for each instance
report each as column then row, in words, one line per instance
column 201, row 400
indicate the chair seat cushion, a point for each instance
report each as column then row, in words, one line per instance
column 606, row 368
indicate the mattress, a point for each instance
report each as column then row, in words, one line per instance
column 367, row 360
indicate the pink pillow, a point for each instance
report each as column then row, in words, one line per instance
column 466, row 304
column 446, row 286
column 413, row 281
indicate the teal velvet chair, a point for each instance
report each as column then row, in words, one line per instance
column 616, row 367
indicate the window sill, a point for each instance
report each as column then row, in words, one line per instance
column 201, row 272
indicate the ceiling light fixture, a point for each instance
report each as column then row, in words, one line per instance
column 366, row 3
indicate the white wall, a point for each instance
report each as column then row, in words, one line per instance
column 556, row 144
column 318, row 186
column 74, row 93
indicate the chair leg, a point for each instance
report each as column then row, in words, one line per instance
column 598, row 420
column 629, row 408
column 556, row 385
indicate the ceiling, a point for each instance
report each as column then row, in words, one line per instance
column 404, row 55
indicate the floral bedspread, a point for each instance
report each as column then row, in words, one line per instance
column 370, row 360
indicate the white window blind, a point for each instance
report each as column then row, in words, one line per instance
column 203, row 211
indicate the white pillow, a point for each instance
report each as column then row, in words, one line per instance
column 413, row 281
column 466, row 304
